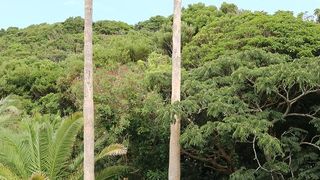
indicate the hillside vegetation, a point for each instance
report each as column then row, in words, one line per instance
column 250, row 97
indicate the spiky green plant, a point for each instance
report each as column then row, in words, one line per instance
column 39, row 147
column 106, row 173
column 113, row 150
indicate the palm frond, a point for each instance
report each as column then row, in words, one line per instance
column 7, row 174
column 113, row 171
column 61, row 147
column 113, row 150
column 77, row 168
column 14, row 153
column 46, row 138
column 39, row 138
column 76, row 175
column 38, row 176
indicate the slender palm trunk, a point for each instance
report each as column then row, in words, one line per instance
column 174, row 156
column 88, row 107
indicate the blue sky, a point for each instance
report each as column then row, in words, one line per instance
column 22, row 13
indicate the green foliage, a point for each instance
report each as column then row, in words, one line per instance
column 127, row 48
column 6, row 173
column 42, row 147
column 73, row 25
column 243, row 174
column 280, row 33
column 113, row 150
column 60, row 147
column 11, row 110
column 112, row 172
column 199, row 15
column 228, row 8
column 249, row 109
column 238, row 96
column 156, row 175
column 111, row 27
column 163, row 38
column 153, row 24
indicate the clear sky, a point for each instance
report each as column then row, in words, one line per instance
column 22, row 13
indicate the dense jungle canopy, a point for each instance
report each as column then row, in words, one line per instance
column 250, row 97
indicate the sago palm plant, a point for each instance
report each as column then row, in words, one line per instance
column 41, row 148
column 106, row 173
column 40, row 151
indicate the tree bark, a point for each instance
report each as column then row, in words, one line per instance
column 88, row 106
column 174, row 154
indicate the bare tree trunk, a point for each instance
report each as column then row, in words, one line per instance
column 88, row 106
column 174, row 156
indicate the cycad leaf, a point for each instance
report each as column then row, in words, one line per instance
column 40, row 136
column 77, row 175
column 113, row 150
column 38, row 176
column 61, row 146
column 7, row 174
column 76, row 162
column 112, row 171
column 14, row 153
column 46, row 135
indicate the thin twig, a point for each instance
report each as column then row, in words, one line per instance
column 317, row 136
column 256, row 156
column 299, row 114
column 303, row 94
column 290, row 161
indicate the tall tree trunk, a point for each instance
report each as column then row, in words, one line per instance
column 88, row 107
column 174, row 156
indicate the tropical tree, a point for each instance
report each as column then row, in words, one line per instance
column 229, row 8
column 88, row 107
column 174, row 154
